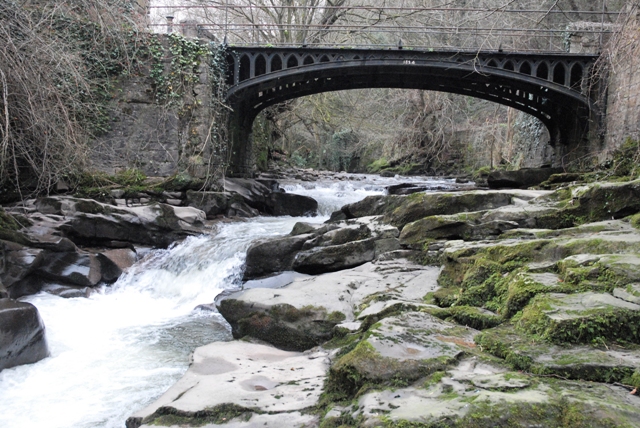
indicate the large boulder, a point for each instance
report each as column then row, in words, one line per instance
column 253, row 193
column 212, row 203
column 88, row 222
column 400, row 210
column 22, row 334
column 335, row 257
column 79, row 268
column 17, row 261
column 280, row 203
column 275, row 255
column 520, row 179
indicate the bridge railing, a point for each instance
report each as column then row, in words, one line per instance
column 512, row 28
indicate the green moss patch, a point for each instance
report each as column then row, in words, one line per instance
column 581, row 318
column 169, row 416
column 587, row 362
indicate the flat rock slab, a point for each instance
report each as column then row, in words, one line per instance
column 585, row 362
column 400, row 348
column 419, row 336
column 329, row 298
column 280, row 420
column 581, row 318
column 257, row 378
column 473, row 388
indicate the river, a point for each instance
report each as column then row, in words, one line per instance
column 117, row 350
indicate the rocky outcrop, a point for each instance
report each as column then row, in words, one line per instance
column 335, row 257
column 22, row 334
column 274, row 255
column 249, row 198
column 316, row 250
column 521, row 178
column 400, row 210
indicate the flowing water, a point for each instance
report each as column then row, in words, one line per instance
column 118, row 350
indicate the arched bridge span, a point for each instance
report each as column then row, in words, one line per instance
column 554, row 87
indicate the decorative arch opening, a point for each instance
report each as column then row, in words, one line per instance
column 324, row 58
column 492, row 63
column 231, row 63
column 559, row 74
column 543, row 71
column 576, row 76
column 245, row 67
column 509, row 66
column 292, row 61
column 308, row 60
column 276, row 63
column 261, row 65
column 525, row 68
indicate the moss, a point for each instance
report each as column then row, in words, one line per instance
column 223, row 413
column 467, row 316
column 336, row 317
column 608, row 324
column 363, row 368
column 378, row 165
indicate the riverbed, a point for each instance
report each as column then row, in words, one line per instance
column 117, row 350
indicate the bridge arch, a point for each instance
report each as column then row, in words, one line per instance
column 553, row 87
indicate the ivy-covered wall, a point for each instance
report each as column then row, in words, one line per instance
column 169, row 119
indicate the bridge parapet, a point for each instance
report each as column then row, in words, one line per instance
column 569, row 70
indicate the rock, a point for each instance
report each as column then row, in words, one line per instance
column 520, row 179
column 157, row 225
column 212, row 203
column 22, row 334
column 483, row 394
column 337, row 236
column 402, row 348
column 66, row 291
column 275, row 255
column 17, row 261
column 582, row 362
column 79, row 268
column 335, row 257
column 301, row 228
column 240, row 209
column 261, row 312
column 400, row 210
column 123, row 258
column 631, row 293
column 253, row 193
column 290, row 204
column 596, row 202
column 581, row 318
column 284, row 326
column 258, row 380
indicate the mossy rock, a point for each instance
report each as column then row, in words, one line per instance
column 398, row 350
column 284, row 326
column 596, row 202
column 477, row 318
column 585, row 362
column 581, row 318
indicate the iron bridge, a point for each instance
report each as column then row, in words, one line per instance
column 557, row 88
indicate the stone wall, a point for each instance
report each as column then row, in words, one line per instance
column 623, row 91
column 154, row 136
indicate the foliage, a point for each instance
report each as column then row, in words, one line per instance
column 57, row 63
